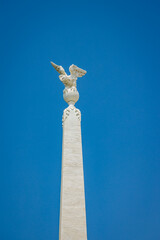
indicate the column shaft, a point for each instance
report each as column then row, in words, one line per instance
column 72, row 206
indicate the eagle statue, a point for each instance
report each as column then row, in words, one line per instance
column 69, row 80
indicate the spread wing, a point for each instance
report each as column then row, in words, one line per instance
column 76, row 71
column 59, row 69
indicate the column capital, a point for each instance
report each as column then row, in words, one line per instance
column 67, row 112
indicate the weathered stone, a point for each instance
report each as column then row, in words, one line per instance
column 72, row 210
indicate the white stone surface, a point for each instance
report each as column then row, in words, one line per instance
column 72, row 207
column 70, row 93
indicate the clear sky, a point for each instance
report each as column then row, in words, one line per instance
column 118, row 43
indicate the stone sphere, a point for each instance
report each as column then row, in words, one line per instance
column 71, row 95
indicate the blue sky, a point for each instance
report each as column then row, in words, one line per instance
column 117, row 42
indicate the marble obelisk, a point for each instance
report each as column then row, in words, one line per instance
column 72, row 205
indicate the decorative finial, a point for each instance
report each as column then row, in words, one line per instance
column 70, row 93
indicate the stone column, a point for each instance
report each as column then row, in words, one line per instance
column 72, row 208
